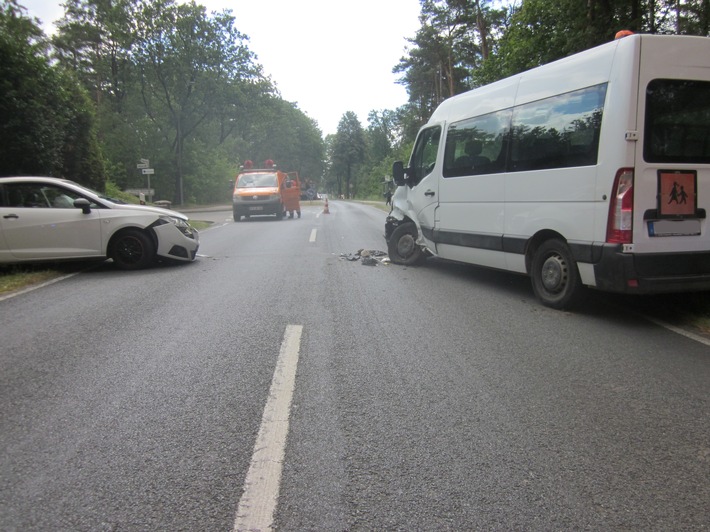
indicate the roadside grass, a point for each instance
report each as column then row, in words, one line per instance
column 200, row 225
column 14, row 278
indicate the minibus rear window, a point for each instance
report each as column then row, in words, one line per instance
column 677, row 126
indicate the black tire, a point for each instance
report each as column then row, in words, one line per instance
column 555, row 277
column 236, row 216
column 280, row 215
column 132, row 249
column 402, row 246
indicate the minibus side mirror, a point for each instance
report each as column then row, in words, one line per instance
column 398, row 173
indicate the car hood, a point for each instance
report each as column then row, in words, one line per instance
column 149, row 208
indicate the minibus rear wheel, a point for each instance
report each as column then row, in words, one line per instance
column 402, row 245
column 555, row 277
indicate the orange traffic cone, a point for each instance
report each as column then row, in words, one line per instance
column 325, row 208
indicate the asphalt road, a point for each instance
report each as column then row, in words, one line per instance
column 442, row 397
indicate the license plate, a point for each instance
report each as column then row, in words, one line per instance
column 259, row 208
column 674, row 228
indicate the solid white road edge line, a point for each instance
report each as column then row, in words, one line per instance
column 678, row 330
column 313, row 235
column 261, row 486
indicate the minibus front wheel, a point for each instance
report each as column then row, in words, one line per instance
column 402, row 245
column 555, row 277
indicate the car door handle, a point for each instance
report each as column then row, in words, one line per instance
column 429, row 193
column 10, row 216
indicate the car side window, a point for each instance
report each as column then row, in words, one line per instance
column 59, row 198
column 25, row 195
column 38, row 195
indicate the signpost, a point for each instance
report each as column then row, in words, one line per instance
column 144, row 167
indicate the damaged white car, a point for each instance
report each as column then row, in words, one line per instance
column 50, row 219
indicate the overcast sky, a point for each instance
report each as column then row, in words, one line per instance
column 328, row 56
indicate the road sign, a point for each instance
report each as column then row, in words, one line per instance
column 146, row 162
column 138, row 191
column 148, row 171
column 142, row 165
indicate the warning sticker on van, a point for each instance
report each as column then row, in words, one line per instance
column 677, row 195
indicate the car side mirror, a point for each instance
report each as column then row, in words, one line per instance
column 398, row 173
column 83, row 204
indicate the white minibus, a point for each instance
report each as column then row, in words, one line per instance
column 593, row 171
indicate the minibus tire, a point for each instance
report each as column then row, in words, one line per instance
column 555, row 277
column 402, row 246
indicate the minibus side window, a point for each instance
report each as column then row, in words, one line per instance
column 477, row 145
column 677, row 124
column 558, row 132
column 424, row 155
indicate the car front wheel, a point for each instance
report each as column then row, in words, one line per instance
column 132, row 249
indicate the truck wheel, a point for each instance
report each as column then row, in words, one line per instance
column 402, row 245
column 280, row 215
column 236, row 216
column 555, row 277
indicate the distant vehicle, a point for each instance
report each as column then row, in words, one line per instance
column 265, row 191
column 593, row 170
column 50, row 219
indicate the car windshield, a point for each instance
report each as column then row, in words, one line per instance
column 256, row 180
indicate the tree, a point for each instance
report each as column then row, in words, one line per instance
column 542, row 31
column 456, row 37
column 178, row 86
column 348, row 151
column 48, row 123
column 186, row 58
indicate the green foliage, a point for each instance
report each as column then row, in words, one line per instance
column 179, row 87
column 48, row 123
column 348, row 153
column 166, row 81
column 461, row 44
column 112, row 190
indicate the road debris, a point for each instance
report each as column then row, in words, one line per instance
column 368, row 257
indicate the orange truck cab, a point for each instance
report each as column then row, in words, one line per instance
column 265, row 191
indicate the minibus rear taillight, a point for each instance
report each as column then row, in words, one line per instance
column 621, row 208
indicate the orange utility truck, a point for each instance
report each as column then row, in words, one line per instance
column 264, row 191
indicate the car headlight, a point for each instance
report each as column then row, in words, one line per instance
column 182, row 225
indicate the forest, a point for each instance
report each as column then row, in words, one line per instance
column 124, row 80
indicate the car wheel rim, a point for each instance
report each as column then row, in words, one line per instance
column 130, row 250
